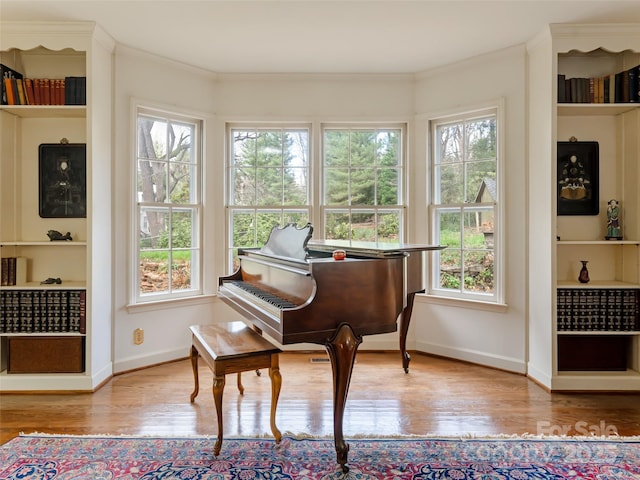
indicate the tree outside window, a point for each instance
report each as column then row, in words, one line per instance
column 268, row 178
column 168, row 205
column 363, row 171
column 465, row 198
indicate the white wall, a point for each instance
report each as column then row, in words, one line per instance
column 491, row 336
column 495, row 338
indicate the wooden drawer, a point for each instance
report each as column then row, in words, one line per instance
column 37, row 354
column 592, row 352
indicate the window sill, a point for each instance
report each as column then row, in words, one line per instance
column 462, row 303
column 169, row 303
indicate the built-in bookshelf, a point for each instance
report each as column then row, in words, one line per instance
column 593, row 339
column 55, row 303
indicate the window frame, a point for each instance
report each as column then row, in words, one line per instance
column 350, row 209
column 275, row 209
column 497, row 297
column 142, row 109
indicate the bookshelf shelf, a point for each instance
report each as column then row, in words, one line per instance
column 611, row 243
column 65, row 285
column 46, row 111
column 591, row 109
column 43, row 244
column 598, row 332
column 597, row 284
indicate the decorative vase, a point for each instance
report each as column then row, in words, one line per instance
column 584, row 273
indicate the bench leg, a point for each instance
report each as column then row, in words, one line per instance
column 218, row 387
column 276, row 383
column 194, row 366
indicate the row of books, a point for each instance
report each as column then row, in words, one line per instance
column 622, row 87
column 13, row 271
column 598, row 309
column 17, row 90
column 47, row 311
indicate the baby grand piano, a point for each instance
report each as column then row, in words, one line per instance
column 295, row 291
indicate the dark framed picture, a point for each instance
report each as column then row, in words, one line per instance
column 63, row 180
column 578, row 178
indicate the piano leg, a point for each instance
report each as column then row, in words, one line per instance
column 405, row 319
column 342, row 350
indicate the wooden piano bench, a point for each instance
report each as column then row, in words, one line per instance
column 234, row 347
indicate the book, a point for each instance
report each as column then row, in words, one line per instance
column 28, row 88
column 37, row 91
column 7, row 73
column 21, row 93
column 632, row 73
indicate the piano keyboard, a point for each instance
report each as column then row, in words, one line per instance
column 263, row 295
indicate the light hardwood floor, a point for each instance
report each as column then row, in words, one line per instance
column 438, row 396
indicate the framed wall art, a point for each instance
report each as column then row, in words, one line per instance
column 578, row 178
column 62, row 180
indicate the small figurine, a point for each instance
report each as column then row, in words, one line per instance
column 51, row 281
column 614, row 230
column 56, row 236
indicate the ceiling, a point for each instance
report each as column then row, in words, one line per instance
column 322, row 36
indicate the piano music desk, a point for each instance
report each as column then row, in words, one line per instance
column 233, row 347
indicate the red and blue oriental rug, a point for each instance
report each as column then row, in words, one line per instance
column 49, row 457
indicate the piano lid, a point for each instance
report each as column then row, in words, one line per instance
column 377, row 249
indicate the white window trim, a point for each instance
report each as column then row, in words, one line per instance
column 441, row 296
column 321, row 209
column 136, row 301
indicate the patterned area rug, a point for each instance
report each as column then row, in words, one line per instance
column 49, row 457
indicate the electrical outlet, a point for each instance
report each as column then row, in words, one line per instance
column 138, row 336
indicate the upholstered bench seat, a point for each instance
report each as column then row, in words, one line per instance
column 234, row 347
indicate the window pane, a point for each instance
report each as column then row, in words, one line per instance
column 388, row 191
column 152, row 138
column 362, row 148
column 450, row 183
column 152, row 181
column 336, row 148
column 269, row 149
column 299, row 218
column 243, row 229
column 295, row 186
column 244, row 186
column 181, row 178
column 481, row 139
column 478, row 223
column 181, row 146
column 363, row 185
column 337, row 225
column 183, row 229
column 336, row 186
column 244, row 148
column 269, row 183
column 389, row 226
column 478, row 271
column 181, row 270
column 450, row 269
column 448, row 143
column 154, row 271
column 154, row 224
column 449, row 228
column 481, row 184
column 363, row 226
column 388, row 148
